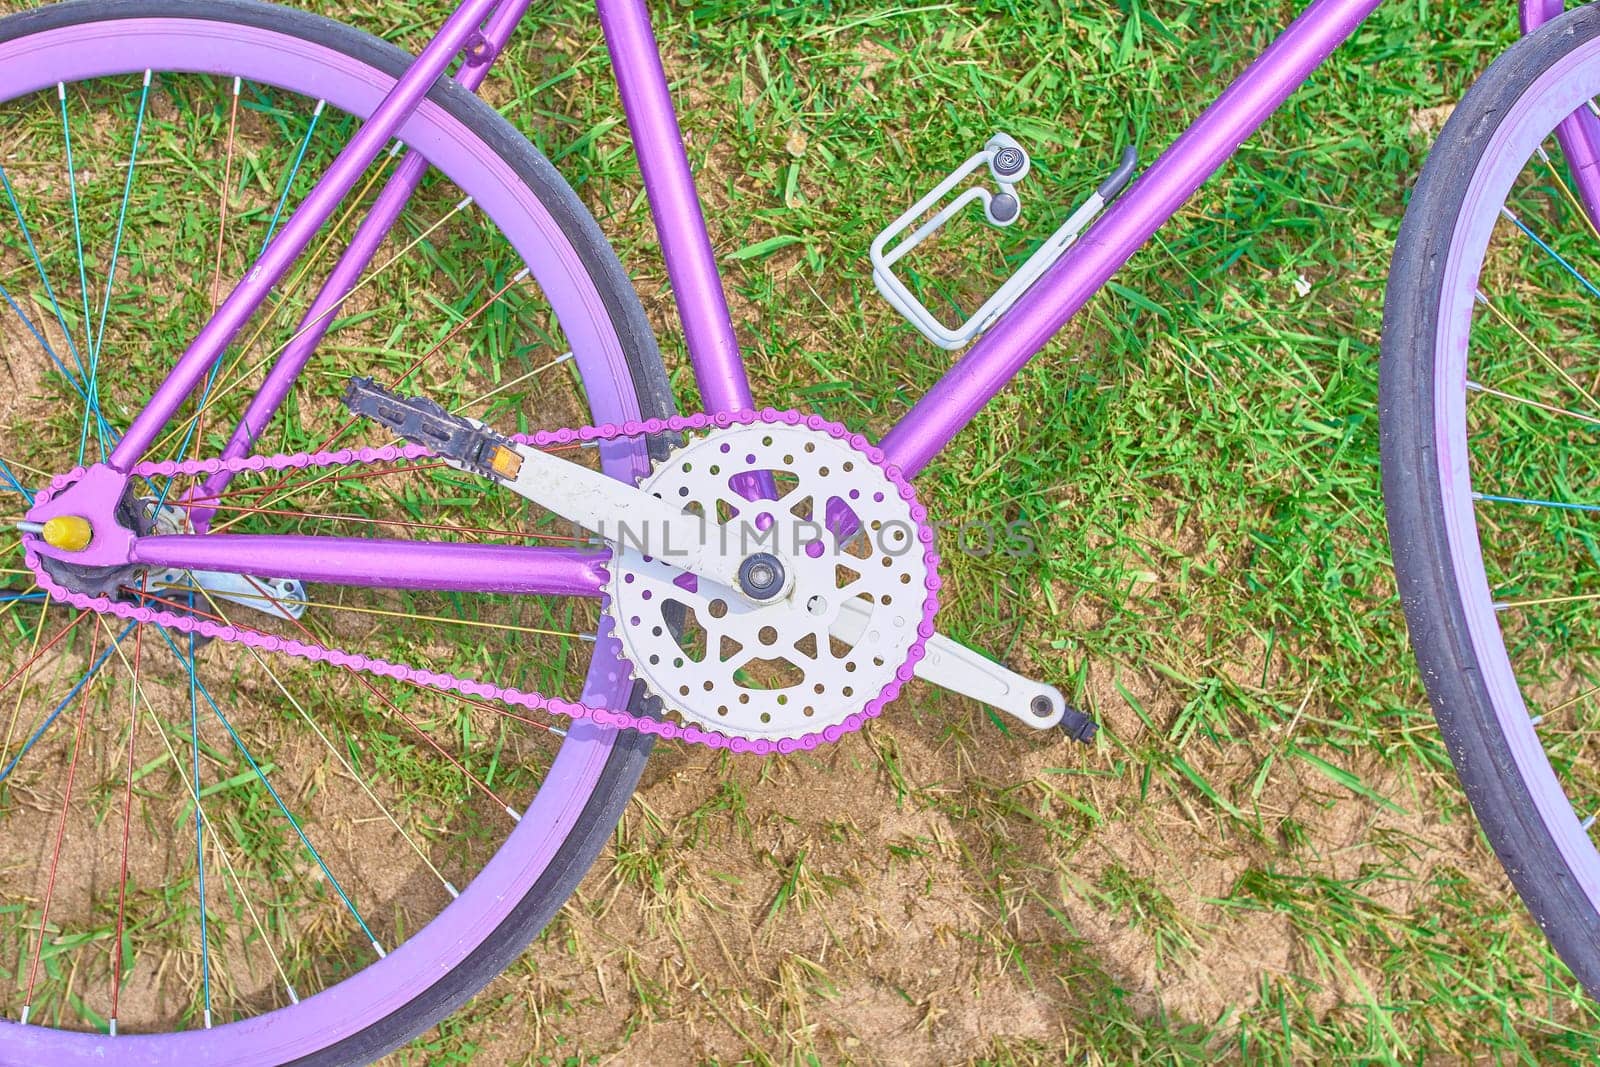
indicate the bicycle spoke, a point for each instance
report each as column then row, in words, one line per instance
column 1488, row 498
column 313, row 323
column 284, row 602
column 283, row 808
column 1479, row 387
column 13, row 483
column 1538, row 350
column 44, row 278
column 503, row 713
column 288, row 186
column 199, row 826
column 216, row 272
column 331, row 478
column 564, row 357
column 1551, row 252
column 39, row 652
column 280, row 300
column 325, row 479
column 116, row 253
column 82, row 684
column 66, row 374
column 474, row 779
column 294, row 171
column 417, row 363
column 351, row 770
column 1566, row 190
column 127, row 821
column 415, row 616
column 1507, row 605
column 404, row 524
column 83, row 276
column 222, row 201
column 216, row 841
column 27, row 668
column 61, row 829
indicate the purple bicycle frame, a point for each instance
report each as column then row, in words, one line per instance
column 479, row 29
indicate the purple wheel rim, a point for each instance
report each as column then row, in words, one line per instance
column 1555, row 94
column 194, row 46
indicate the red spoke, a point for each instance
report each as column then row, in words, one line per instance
column 127, row 827
column 48, row 645
column 375, row 691
column 61, row 829
column 190, row 608
column 328, row 479
column 486, row 531
column 430, row 353
column 496, row 709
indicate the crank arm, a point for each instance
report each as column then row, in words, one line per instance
column 621, row 514
column 951, row 665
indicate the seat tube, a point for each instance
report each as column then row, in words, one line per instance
column 675, row 206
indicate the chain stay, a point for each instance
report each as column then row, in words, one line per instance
column 481, row 690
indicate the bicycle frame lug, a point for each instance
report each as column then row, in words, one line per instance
column 100, row 501
column 478, row 51
column 1008, row 164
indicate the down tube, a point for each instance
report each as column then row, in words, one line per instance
column 1154, row 197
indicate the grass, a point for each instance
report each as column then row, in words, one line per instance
column 1266, row 857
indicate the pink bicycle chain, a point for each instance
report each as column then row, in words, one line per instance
column 517, row 697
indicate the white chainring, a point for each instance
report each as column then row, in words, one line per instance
column 772, row 670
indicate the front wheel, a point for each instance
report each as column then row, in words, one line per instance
column 222, row 858
column 1490, row 421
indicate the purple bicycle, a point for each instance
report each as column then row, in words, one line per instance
column 759, row 580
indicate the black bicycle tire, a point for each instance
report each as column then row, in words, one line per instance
column 1414, row 505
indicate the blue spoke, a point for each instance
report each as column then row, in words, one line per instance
column 272, row 227
column 76, row 689
column 199, row 825
column 305, row 143
column 83, row 276
column 1489, row 498
column 37, row 336
column 238, row 742
column 38, row 265
column 1570, row 269
column 116, row 251
column 104, row 427
column 5, row 472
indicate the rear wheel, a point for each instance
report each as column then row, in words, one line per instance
column 264, row 860
column 1490, row 407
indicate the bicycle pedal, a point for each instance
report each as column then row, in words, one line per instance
column 1008, row 164
column 467, row 443
column 1078, row 725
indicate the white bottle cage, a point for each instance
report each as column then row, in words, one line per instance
column 1008, row 164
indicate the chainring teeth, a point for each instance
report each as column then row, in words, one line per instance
column 766, row 671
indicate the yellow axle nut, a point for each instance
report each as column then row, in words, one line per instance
column 69, row 533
